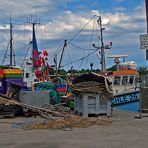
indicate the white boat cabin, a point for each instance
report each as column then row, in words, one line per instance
column 124, row 81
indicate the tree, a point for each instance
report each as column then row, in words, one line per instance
column 143, row 70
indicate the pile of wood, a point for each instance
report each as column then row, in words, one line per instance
column 40, row 110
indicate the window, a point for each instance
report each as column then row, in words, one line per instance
column 27, row 75
column 124, row 80
column 117, row 80
column 0, row 84
column 131, row 80
column 137, row 81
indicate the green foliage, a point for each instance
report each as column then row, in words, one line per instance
column 83, row 71
column 62, row 73
column 113, row 68
column 51, row 71
column 143, row 70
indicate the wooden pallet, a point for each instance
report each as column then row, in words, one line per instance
column 6, row 115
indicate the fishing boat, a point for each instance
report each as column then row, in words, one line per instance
column 37, row 77
column 125, row 78
column 125, row 83
column 10, row 72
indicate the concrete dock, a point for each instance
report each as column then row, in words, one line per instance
column 124, row 132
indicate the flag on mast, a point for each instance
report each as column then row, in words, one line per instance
column 35, row 53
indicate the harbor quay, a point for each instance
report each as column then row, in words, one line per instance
column 125, row 131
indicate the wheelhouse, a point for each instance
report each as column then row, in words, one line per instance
column 124, row 80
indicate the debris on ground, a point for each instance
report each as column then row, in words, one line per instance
column 68, row 122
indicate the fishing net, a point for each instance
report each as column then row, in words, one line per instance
column 69, row 122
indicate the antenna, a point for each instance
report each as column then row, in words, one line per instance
column 117, row 59
column 118, row 56
column 33, row 22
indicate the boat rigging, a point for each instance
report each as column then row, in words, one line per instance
column 95, row 48
column 10, row 47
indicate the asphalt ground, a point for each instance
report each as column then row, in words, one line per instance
column 125, row 131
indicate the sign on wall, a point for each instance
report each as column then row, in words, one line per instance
column 144, row 41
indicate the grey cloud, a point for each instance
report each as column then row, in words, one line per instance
column 121, row 28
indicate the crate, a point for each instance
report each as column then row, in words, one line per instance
column 35, row 98
column 91, row 104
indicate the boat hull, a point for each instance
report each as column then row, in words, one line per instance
column 126, row 101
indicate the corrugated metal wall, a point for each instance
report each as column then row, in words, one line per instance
column 144, row 93
column 144, row 98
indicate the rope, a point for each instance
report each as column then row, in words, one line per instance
column 67, row 123
column 5, row 53
column 81, row 58
column 80, row 47
column 82, row 28
column 25, row 55
column 59, row 48
column 101, row 88
column 108, row 87
column 90, row 41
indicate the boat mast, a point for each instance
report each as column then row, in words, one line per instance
column 11, row 45
column 65, row 45
column 102, row 53
column 35, row 53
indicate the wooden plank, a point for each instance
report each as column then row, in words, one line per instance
column 6, row 115
column 30, row 107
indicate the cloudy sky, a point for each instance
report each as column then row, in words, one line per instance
column 73, row 20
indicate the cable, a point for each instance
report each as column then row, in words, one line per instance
column 5, row 55
column 69, row 58
column 90, row 42
column 25, row 55
column 56, row 52
column 81, row 58
column 81, row 29
column 72, row 37
column 80, row 47
column 80, row 64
